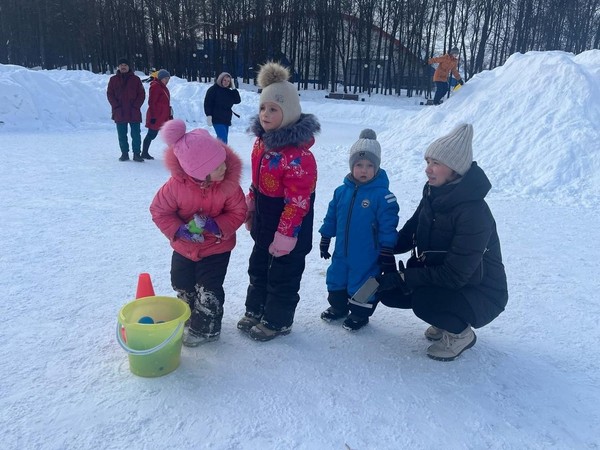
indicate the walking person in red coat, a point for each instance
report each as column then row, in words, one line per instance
column 199, row 210
column 126, row 96
column 159, row 109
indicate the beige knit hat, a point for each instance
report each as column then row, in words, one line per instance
column 455, row 150
column 273, row 79
column 367, row 148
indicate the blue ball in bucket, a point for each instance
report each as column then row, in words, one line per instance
column 147, row 320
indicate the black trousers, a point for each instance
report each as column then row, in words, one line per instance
column 445, row 309
column 441, row 89
column 150, row 135
column 274, row 285
column 200, row 284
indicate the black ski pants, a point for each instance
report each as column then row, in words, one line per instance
column 200, row 284
column 443, row 308
column 274, row 285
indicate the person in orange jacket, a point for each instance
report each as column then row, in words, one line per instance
column 446, row 64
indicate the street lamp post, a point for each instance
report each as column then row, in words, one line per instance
column 207, row 66
column 366, row 78
column 377, row 77
column 194, row 77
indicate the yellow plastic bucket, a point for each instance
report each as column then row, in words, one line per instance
column 150, row 329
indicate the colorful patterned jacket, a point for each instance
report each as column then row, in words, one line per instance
column 284, row 178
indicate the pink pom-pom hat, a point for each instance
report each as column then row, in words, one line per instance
column 198, row 152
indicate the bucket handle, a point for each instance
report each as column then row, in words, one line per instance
column 149, row 351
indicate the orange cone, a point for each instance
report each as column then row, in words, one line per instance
column 144, row 287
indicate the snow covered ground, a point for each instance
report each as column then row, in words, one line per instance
column 76, row 232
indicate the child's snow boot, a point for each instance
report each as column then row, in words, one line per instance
column 355, row 322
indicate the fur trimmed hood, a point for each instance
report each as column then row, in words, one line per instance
column 303, row 130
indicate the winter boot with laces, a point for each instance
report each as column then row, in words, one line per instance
column 433, row 333
column 247, row 322
column 194, row 339
column 264, row 332
column 451, row 345
column 354, row 322
column 331, row 314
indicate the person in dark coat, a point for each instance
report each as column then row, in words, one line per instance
column 159, row 109
column 218, row 101
column 280, row 205
column 126, row 96
column 454, row 278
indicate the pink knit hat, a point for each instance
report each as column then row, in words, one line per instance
column 198, row 152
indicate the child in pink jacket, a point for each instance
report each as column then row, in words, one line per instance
column 199, row 210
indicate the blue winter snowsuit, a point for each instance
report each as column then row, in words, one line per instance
column 363, row 219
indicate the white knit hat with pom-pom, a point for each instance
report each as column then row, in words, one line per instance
column 273, row 79
column 198, row 152
column 367, row 148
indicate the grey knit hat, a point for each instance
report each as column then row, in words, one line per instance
column 221, row 76
column 273, row 79
column 367, row 148
column 454, row 51
column 163, row 73
column 455, row 150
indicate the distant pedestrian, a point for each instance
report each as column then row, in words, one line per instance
column 159, row 109
column 447, row 64
column 126, row 96
column 218, row 101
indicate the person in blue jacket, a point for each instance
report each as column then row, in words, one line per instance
column 362, row 216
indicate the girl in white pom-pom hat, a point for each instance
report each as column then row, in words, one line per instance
column 280, row 204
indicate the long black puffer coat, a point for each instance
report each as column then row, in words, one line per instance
column 218, row 102
column 455, row 245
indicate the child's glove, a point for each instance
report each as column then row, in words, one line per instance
column 386, row 260
column 324, row 247
column 184, row 233
column 282, row 245
column 199, row 224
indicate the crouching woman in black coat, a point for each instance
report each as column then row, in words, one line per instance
column 455, row 278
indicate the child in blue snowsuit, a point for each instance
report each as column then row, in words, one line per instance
column 362, row 216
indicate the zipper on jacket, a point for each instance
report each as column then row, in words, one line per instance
column 256, row 188
column 348, row 220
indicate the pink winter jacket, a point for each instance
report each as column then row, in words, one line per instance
column 181, row 197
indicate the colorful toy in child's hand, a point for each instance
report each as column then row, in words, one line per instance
column 199, row 224
column 184, row 233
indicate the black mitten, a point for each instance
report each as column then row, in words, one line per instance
column 324, row 247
